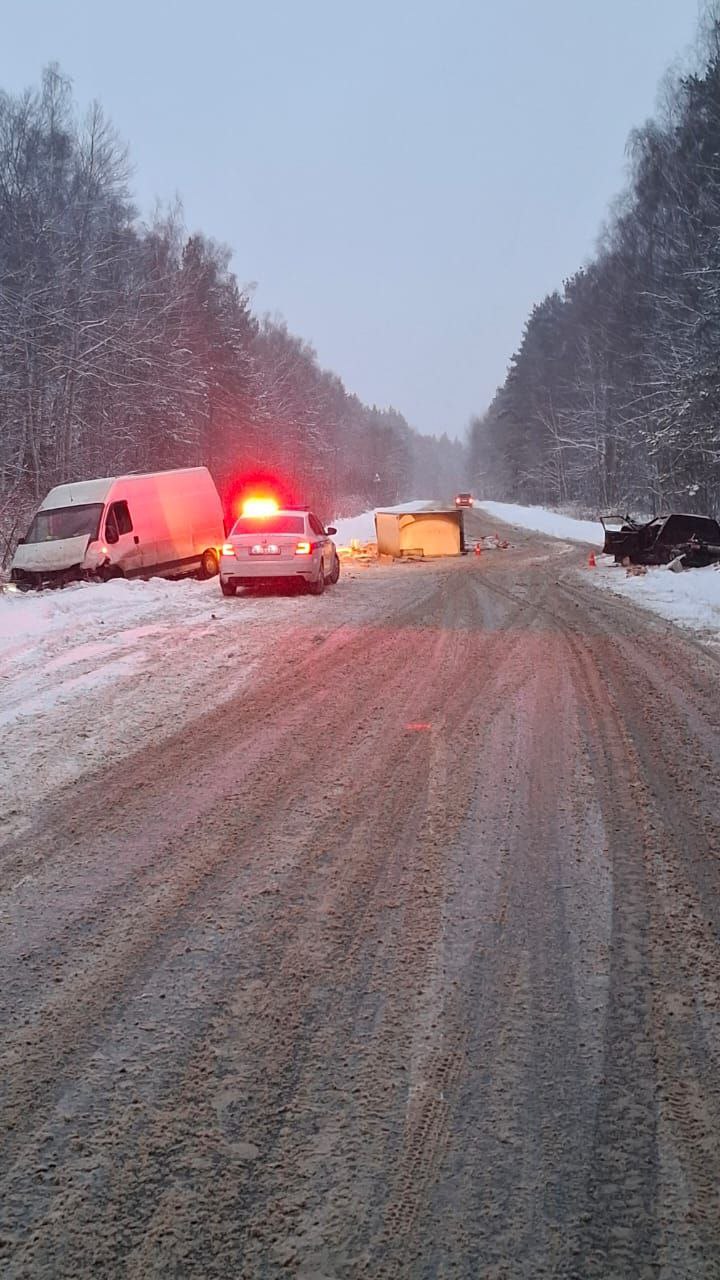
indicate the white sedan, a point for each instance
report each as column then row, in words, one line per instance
column 270, row 545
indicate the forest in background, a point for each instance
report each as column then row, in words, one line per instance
column 132, row 347
column 612, row 401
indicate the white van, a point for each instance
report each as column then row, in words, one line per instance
column 165, row 523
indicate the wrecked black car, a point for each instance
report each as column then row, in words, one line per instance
column 694, row 540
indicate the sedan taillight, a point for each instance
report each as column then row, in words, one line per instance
column 227, row 549
column 304, row 548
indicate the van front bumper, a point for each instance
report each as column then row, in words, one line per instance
column 42, row 579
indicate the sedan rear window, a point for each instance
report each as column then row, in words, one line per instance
column 269, row 524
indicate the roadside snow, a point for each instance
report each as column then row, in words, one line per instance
column 550, row 522
column 362, row 527
column 94, row 673
column 26, row 616
column 691, row 598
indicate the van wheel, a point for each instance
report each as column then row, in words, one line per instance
column 111, row 572
column 335, row 571
column 317, row 585
column 227, row 588
column 208, row 564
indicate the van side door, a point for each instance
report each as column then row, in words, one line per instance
column 121, row 540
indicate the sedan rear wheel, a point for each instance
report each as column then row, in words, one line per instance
column 335, row 571
column 227, row 588
column 317, row 585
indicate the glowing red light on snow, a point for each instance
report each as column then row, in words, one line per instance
column 418, row 726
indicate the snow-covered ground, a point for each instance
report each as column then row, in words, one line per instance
column 362, row 528
column 550, row 522
column 690, row 598
column 91, row 672
column 94, row 672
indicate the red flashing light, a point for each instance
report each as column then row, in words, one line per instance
column 258, row 506
column 260, row 482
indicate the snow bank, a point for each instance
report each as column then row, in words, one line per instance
column 85, row 606
column 550, row 522
column 362, row 527
column 691, row 598
column 93, row 671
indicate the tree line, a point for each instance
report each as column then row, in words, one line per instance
column 613, row 399
column 132, row 347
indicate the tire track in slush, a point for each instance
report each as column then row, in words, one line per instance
column 393, row 975
column 677, row 1164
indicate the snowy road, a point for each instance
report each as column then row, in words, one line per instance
column 374, row 935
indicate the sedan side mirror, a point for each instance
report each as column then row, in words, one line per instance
column 330, row 529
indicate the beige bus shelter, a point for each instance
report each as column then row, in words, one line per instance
column 424, row 533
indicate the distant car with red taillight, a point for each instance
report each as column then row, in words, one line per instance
column 268, row 545
column 464, row 500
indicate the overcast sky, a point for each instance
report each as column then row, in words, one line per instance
column 401, row 178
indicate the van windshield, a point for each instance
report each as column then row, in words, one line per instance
column 269, row 524
column 65, row 522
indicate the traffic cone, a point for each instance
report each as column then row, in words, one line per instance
column 591, row 560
